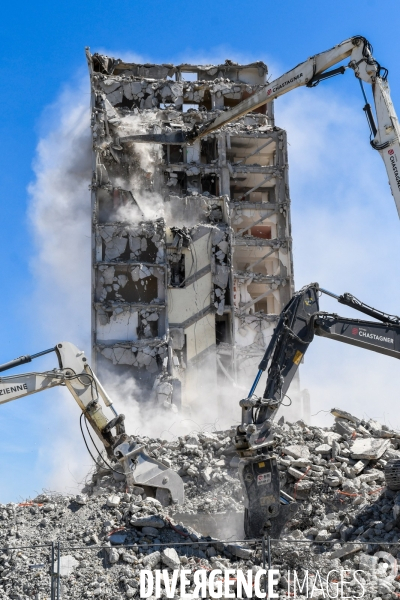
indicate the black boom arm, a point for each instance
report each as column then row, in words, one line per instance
column 300, row 320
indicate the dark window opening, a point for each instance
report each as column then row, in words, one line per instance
column 177, row 270
column 173, row 154
column 227, row 296
column 178, row 184
column 209, row 184
column 222, row 329
column 143, row 291
column 130, row 104
column 147, row 255
column 262, row 306
column 148, row 329
column 110, row 201
column 208, row 150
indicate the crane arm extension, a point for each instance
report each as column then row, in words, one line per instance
column 385, row 134
column 378, row 337
column 350, row 300
column 307, row 73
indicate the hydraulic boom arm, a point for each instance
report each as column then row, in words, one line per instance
column 75, row 373
column 300, row 320
column 385, row 133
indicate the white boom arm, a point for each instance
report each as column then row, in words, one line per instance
column 75, row 373
column 77, row 376
column 386, row 134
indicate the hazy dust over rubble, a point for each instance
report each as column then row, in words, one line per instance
column 335, row 473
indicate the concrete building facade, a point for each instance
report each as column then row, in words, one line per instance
column 192, row 255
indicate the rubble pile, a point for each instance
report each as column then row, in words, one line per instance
column 207, row 463
column 347, row 518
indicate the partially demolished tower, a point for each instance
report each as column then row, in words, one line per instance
column 192, row 254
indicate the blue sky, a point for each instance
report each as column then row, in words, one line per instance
column 345, row 226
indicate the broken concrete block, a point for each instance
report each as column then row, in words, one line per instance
column 170, row 558
column 344, row 427
column 128, row 558
column 342, row 414
column 113, row 555
column 297, row 451
column 217, row 236
column 81, row 499
column 369, row 448
column 152, row 367
column 331, row 437
column 333, row 481
column 151, row 560
column 304, row 485
column 359, row 466
column 322, row 535
column 323, row 449
column 206, row 474
column 373, row 475
column 113, row 500
column 115, row 248
column 221, row 276
column 295, row 473
column 374, row 425
column 335, row 449
column 346, row 550
column 367, row 562
column 67, row 565
column 223, row 246
column 150, row 521
column 240, row 551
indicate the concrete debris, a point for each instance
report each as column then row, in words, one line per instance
column 343, row 505
column 343, row 427
column 113, row 501
column 67, row 566
column 323, row 449
column 342, row 414
column 297, row 451
column 346, row 551
column 170, row 558
column 369, row 448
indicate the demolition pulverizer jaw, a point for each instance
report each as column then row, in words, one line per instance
column 264, row 514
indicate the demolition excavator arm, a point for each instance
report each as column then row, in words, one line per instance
column 267, row 508
column 385, row 132
column 76, row 375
